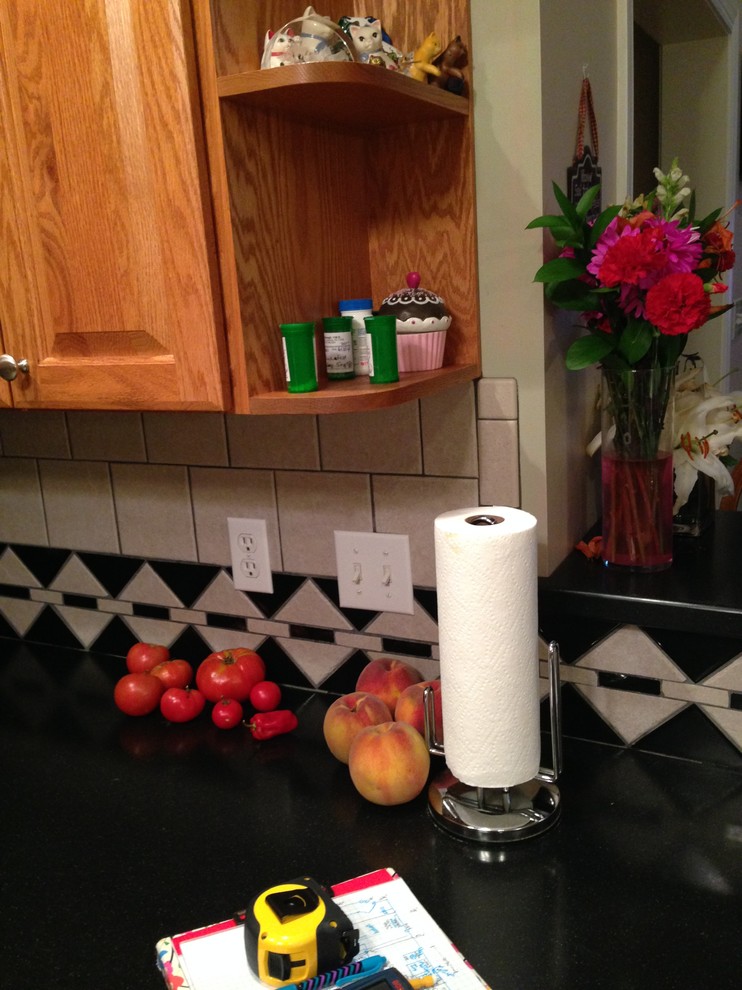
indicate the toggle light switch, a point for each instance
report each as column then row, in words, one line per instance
column 374, row 571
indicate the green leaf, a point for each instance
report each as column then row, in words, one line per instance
column 586, row 201
column 589, row 350
column 573, row 294
column 547, row 220
column 708, row 222
column 636, row 340
column 570, row 213
column 669, row 348
column 558, row 270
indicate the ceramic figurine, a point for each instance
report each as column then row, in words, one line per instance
column 450, row 62
column 309, row 38
column 369, row 42
column 419, row 64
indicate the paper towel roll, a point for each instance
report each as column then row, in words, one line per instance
column 488, row 635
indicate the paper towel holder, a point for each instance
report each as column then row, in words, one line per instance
column 499, row 814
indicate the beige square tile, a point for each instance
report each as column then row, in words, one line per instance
column 79, row 505
column 34, row 433
column 499, row 466
column 22, row 517
column 185, row 438
column 385, row 441
column 497, row 398
column 219, row 493
column 273, row 442
column 410, row 505
column 106, row 436
column 449, row 430
column 153, row 508
column 310, row 508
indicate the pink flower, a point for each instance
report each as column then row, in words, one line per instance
column 678, row 304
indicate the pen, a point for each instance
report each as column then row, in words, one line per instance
column 343, row 974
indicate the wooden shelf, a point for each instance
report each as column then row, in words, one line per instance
column 357, row 394
column 342, row 94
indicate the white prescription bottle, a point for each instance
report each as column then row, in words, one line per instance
column 357, row 309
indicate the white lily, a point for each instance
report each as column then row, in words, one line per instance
column 707, row 421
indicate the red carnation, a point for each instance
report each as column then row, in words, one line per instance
column 678, row 304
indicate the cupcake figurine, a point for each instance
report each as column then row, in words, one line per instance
column 422, row 321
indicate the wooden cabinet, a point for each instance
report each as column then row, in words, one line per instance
column 109, row 284
column 332, row 181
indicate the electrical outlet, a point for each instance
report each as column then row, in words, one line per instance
column 374, row 571
column 248, row 544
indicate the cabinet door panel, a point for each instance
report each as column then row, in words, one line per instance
column 109, row 285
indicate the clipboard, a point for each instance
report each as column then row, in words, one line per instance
column 390, row 921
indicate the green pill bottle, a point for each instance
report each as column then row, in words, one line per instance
column 338, row 334
column 382, row 354
column 299, row 356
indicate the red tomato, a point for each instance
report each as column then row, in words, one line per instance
column 173, row 673
column 181, row 704
column 142, row 657
column 229, row 674
column 137, row 694
column 226, row 713
column 265, row 696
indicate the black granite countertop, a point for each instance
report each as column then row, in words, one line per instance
column 701, row 592
column 116, row 832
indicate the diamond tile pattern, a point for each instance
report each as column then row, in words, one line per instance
column 665, row 692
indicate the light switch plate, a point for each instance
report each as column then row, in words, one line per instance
column 248, row 544
column 374, row 571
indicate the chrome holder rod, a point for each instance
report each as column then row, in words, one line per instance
column 499, row 814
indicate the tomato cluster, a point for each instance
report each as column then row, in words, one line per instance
column 226, row 678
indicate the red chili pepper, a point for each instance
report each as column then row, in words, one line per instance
column 265, row 725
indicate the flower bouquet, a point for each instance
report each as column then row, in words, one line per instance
column 643, row 275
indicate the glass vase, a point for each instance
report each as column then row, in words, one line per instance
column 636, row 468
column 697, row 514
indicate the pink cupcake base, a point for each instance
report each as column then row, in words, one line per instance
column 420, row 351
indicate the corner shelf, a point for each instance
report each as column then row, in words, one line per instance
column 345, row 94
column 358, row 395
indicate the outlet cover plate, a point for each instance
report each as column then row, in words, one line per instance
column 374, row 571
column 248, row 544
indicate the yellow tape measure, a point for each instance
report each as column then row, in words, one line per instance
column 295, row 931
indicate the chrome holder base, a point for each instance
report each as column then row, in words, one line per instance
column 493, row 814
column 499, row 814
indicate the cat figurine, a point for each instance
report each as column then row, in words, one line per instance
column 277, row 49
column 368, row 41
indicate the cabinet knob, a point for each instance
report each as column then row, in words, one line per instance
column 9, row 367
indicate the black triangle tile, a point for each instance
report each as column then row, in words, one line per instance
column 697, row 655
column 284, row 586
column 575, row 635
column 359, row 618
column 428, row 598
column 692, row 736
column 6, row 630
column 114, row 572
column 345, row 678
column 115, row 640
column 43, row 562
column 579, row 719
column 47, row 627
column 187, row 581
column 280, row 667
column 191, row 647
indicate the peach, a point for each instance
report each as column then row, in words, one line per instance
column 387, row 679
column 345, row 718
column 411, row 707
column 389, row 763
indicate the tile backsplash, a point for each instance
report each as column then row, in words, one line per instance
column 113, row 528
